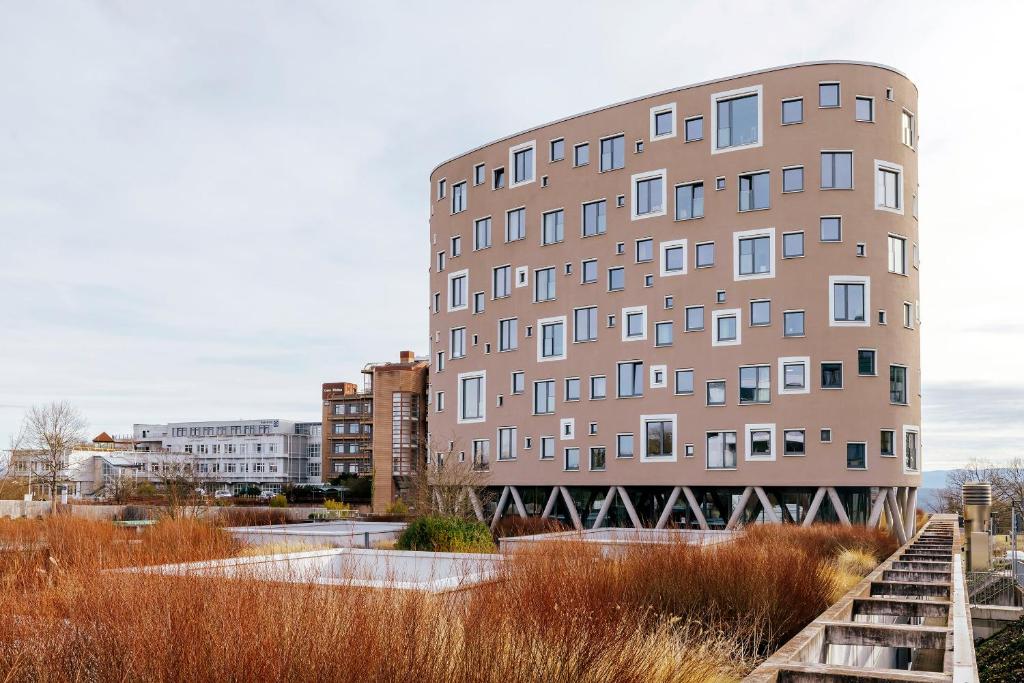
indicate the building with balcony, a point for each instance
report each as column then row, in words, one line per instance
column 697, row 308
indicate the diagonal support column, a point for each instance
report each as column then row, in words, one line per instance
column 669, row 504
column 695, row 507
column 833, row 496
column 501, row 507
column 876, row 509
column 629, row 508
column 910, row 513
column 812, row 509
column 897, row 518
column 741, row 506
column 518, row 501
column 550, row 505
column 475, row 502
column 769, row 509
column 606, row 505
column 573, row 512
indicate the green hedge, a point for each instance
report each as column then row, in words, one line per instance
column 446, row 535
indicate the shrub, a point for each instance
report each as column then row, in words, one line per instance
column 337, row 505
column 279, row 501
column 398, row 507
column 526, row 526
column 446, row 535
column 237, row 516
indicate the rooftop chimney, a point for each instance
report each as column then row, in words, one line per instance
column 406, row 356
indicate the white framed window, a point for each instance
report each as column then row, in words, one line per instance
column 849, row 300
column 736, row 119
column 659, row 376
column 663, row 121
column 567, row 428
column 897, row 254
column 856, row 455
column 759, row 440
column 657, row 438
column 522, row 276
column 673, row 257
column 478, row 302
column 507, row 443
column 911, row 448
column 648, row 194
column 753, row 254
column 472, row 393
column 460, row 193
column 616, row 279
column 644, row 250
column 755, row 384
column 726, row 329
column 899, row 391
column 888, row 187
column 634, row 323
column 907, row 129
column 498, row 178
column 794, row 375
column 458, row 291
column 598, row 456
column 551, row 339
column 522, row 159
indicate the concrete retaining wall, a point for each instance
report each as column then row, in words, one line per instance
column 40, row 508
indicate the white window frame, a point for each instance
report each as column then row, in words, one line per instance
column 665, row 417
column 915, row 429
column 625, row 323
column 567, row 434
column 747, row 234
column 834, row 280
column 653, row 383
column 451, row 276
column 906, row 257
column 879, row 196
column 733, row 94
column 541, row 322
column 661, row 109
column 482, row 374
column 913, row 128
column 511, row 173
column 724, row 313
column 748, row 430
column 794, row 360
column 663, row 248
column 648, row 175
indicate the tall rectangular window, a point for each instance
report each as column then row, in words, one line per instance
column 547, row 448
column 721, row 448
column 502, row 281
column 481, row 454
column 597, row 457
column 518, row 382
column 616, row 279
column 557, row 150
column 755, row 384
column 553, row 229
column 598, row 387
column 866, row 362
column 898, row 384
column 694, row 128
column 572, row 459
column 588, row 271
column 907, row 128
column 910, row 451
column 594, row 218
column 522, row 165
column 544, row 284
column 613, row 153
column 887, row 443
column 581, row 154
column 458, row 294
column 689, row 201
column 663, row 333
column 479, row 174
column 837, row 170
column 585, row 324
column 458, row 345
column 897, row 255
column 572, row 389
column 482, row 233
column 848, row 302
column 544, row 397
column 887, row 188
column 498, row 180
column 508, row 334
column 737, row 121
column 459, row 197
column 552, row 340
column 507, row 443
column 865, row 109
column 624, row 446
column 471, row 394
column 515, row 225
column 650, row 196
column 631, row 379
column 755, row 255
column 754, row 191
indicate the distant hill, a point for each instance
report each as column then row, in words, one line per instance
column 931, row 483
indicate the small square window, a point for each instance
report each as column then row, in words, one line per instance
column 792, row 244
column 792, row 111
column 705, row 255
column 581, row 154
column 794, row 442
column 828, row 95
column 694, row 318
column 720, row 183
column 695, row 129
column 557, row 150
column 689, row 450
column 826, row 435
column 648, row 280
column 760, row 313
column 716, row 392
column 638, row 146
column 720, row 296
column 865, row 109
column 620, row 247
column 793, row 322
column 664, row 123
column 866, row 362
column 831, row 229
column 793, row 179
column 684, row 382
column 669, row 302
column 620, row 201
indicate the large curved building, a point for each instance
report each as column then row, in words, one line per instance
column 694, row 308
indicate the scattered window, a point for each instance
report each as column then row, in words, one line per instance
column 898, row 385
column 910, row 450
column 594, row 218
column 498, row 178
column 705, row 255
column 635, row 324
column 515, row 225
column 620, row 248
column 552, row 339
column 663, row 123
column 907, row 128
column 856, row 456
column 631, row 379
column 831, row 229
column 523, row 164
column 793, row 111
column 755, row 384
column 684, row 382
column 638, row 146
column 908, row 315
column 649, row 194
column 825, row 436
column 694, row 128
column 584, row 327
column 502, row 284
column 887, row 443
column 670, row 302
column 581, row 154
column 544, row 284
column 597, row 457
column 837, row 170
column 440, row 261
column 793, row 373
column 794, row 441
column 882, row 318
column 689, row 450
column 644, row 250
column 865, row 109
column 862, row 249
column 613, row 153
column 897, row 255
column 471, row 398
column 866, row 362
column 831, row 375
column 760, row 313
column 888, row 187
column 458, row 342
column 479, row 174
column 720, row 183
column 508, row 334
column 754, row 255
column 482, row 233
column 459, row 197
column 715, row 393
column 663, row 333
column 726, row 327
column 588, row 271
column 437, row 302
column 572, row 459
column 658, row 438
column 507, row 443
column 760, row 442
column 849, row 302
column 828, row 95
column 544, row 397
column 547, row 448
column 754, row 191
column 624, row 446
column 738, row 121
column 673, row 258
column 553, row 227
column 572, row 389
column 456, row 244
column 458, row 294
column 720, row 296
column 616, row 279
column 694, row 318
column 721, row 450
column 557, row 149
column 442, row 188
column 689, row 201
column 598, row 387
column 889, row 94
column 518, row 382
column 793, row 179
column 792, row 244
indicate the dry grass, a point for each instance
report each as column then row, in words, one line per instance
column 252, row 516
column 561, row 613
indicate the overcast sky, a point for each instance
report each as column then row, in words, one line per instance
column 193, row 194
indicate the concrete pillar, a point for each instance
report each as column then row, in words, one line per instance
column 605, row 506
column 812, row 510
column 669, row 504
column 741, row 506
column 695, row 507
column 573, row 512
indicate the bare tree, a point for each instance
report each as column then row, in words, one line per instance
column 450, row 483
column 177, row 476
column 49, row 433
column 1007, row 486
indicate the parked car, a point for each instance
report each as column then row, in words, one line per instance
column 200, row 491
column 223, row 493
column 266, row 495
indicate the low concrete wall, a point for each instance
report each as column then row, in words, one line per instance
column 989, row 620
column 40, row 508
column 21, row 508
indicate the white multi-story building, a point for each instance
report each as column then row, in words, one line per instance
column 238, row 454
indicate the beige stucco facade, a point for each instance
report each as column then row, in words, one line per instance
column 856, row 413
